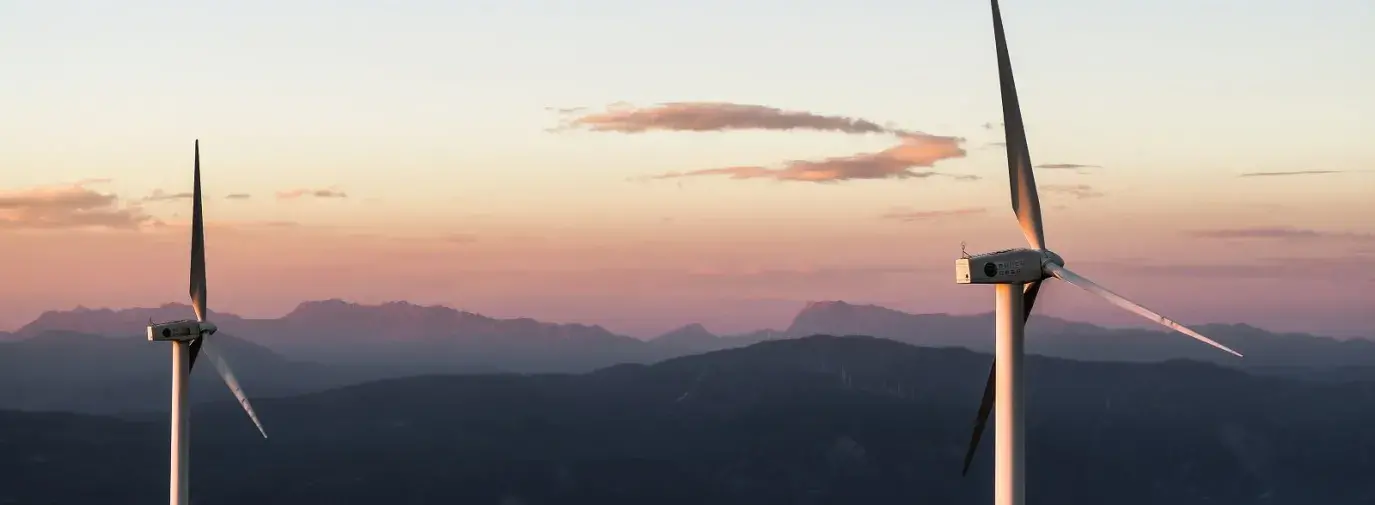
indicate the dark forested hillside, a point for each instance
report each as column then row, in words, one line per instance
column 811, row 420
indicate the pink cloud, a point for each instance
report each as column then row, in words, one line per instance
column 716, row 116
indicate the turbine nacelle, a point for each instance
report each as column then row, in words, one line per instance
column 1005, row 267
column 180, row 331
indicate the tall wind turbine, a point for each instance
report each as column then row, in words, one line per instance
column 1016, row 275
column 188, row 340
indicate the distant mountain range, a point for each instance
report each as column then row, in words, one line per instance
column 805, row 421
column 96, row 360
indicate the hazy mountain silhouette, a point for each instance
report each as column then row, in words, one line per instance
column 694, row 338
column 430, row 338
column 1052, row 336
column 331, row 343
column 68, row 371
column 811, row 420
column 335, row 330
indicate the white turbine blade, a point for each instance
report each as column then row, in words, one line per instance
column 198, row 291
column 1065, row 275
column 1025, row 203
column 228, row 375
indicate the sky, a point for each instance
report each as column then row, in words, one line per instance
column 644, row 165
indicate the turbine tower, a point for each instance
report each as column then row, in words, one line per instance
column 188, row 341
column 1017, row 275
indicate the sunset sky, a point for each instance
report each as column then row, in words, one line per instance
column 643, row 165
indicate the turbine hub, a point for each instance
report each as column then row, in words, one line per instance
column 1048, row 256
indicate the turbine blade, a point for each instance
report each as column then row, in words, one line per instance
column 981, row 419
column 986, row 404
column 1025, row 203
column 195, row 351
column 1065, row 275
column 198, row 292
column 228, row 375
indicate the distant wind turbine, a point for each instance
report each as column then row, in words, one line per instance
column 188, row 340
column 1017, row 275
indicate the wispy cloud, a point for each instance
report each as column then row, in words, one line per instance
column 924, row 215
column 159, row 195
column 991, row 125
column 231, row 226
column 238, row 196
column 1279, row 233
column 1295, row 172
column 897, row 162
column 714, row 116
column 1067, row 166
column 1256, row 269
column 71, row 206
column 296, row 194
column 1080, row 191
column 459, row 238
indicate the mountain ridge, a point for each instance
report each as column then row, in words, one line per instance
column 333, row 342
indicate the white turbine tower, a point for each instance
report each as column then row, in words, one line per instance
column 188, row 340
column 1017, row 276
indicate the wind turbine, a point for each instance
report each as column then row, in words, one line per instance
column 1017, row 275
column 188, row 340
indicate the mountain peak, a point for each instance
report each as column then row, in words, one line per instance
column 694, row 331
column 833, row 316
column 104, row 321
column 336, row 307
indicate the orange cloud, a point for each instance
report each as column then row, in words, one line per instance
column 71, row 206
column 296, row 194
column 715, row 116
column 897, row 162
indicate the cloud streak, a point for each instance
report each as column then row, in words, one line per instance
column 1067, row 166
column 159, row 195
column 238, row 196
column 716, row 116
column 1279, row 233
column 897, row 162
column 926, row 215
column 1295, row 172
column 1080, row 191
column 71, row 206
column 297, row 194
column 1258, row 269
